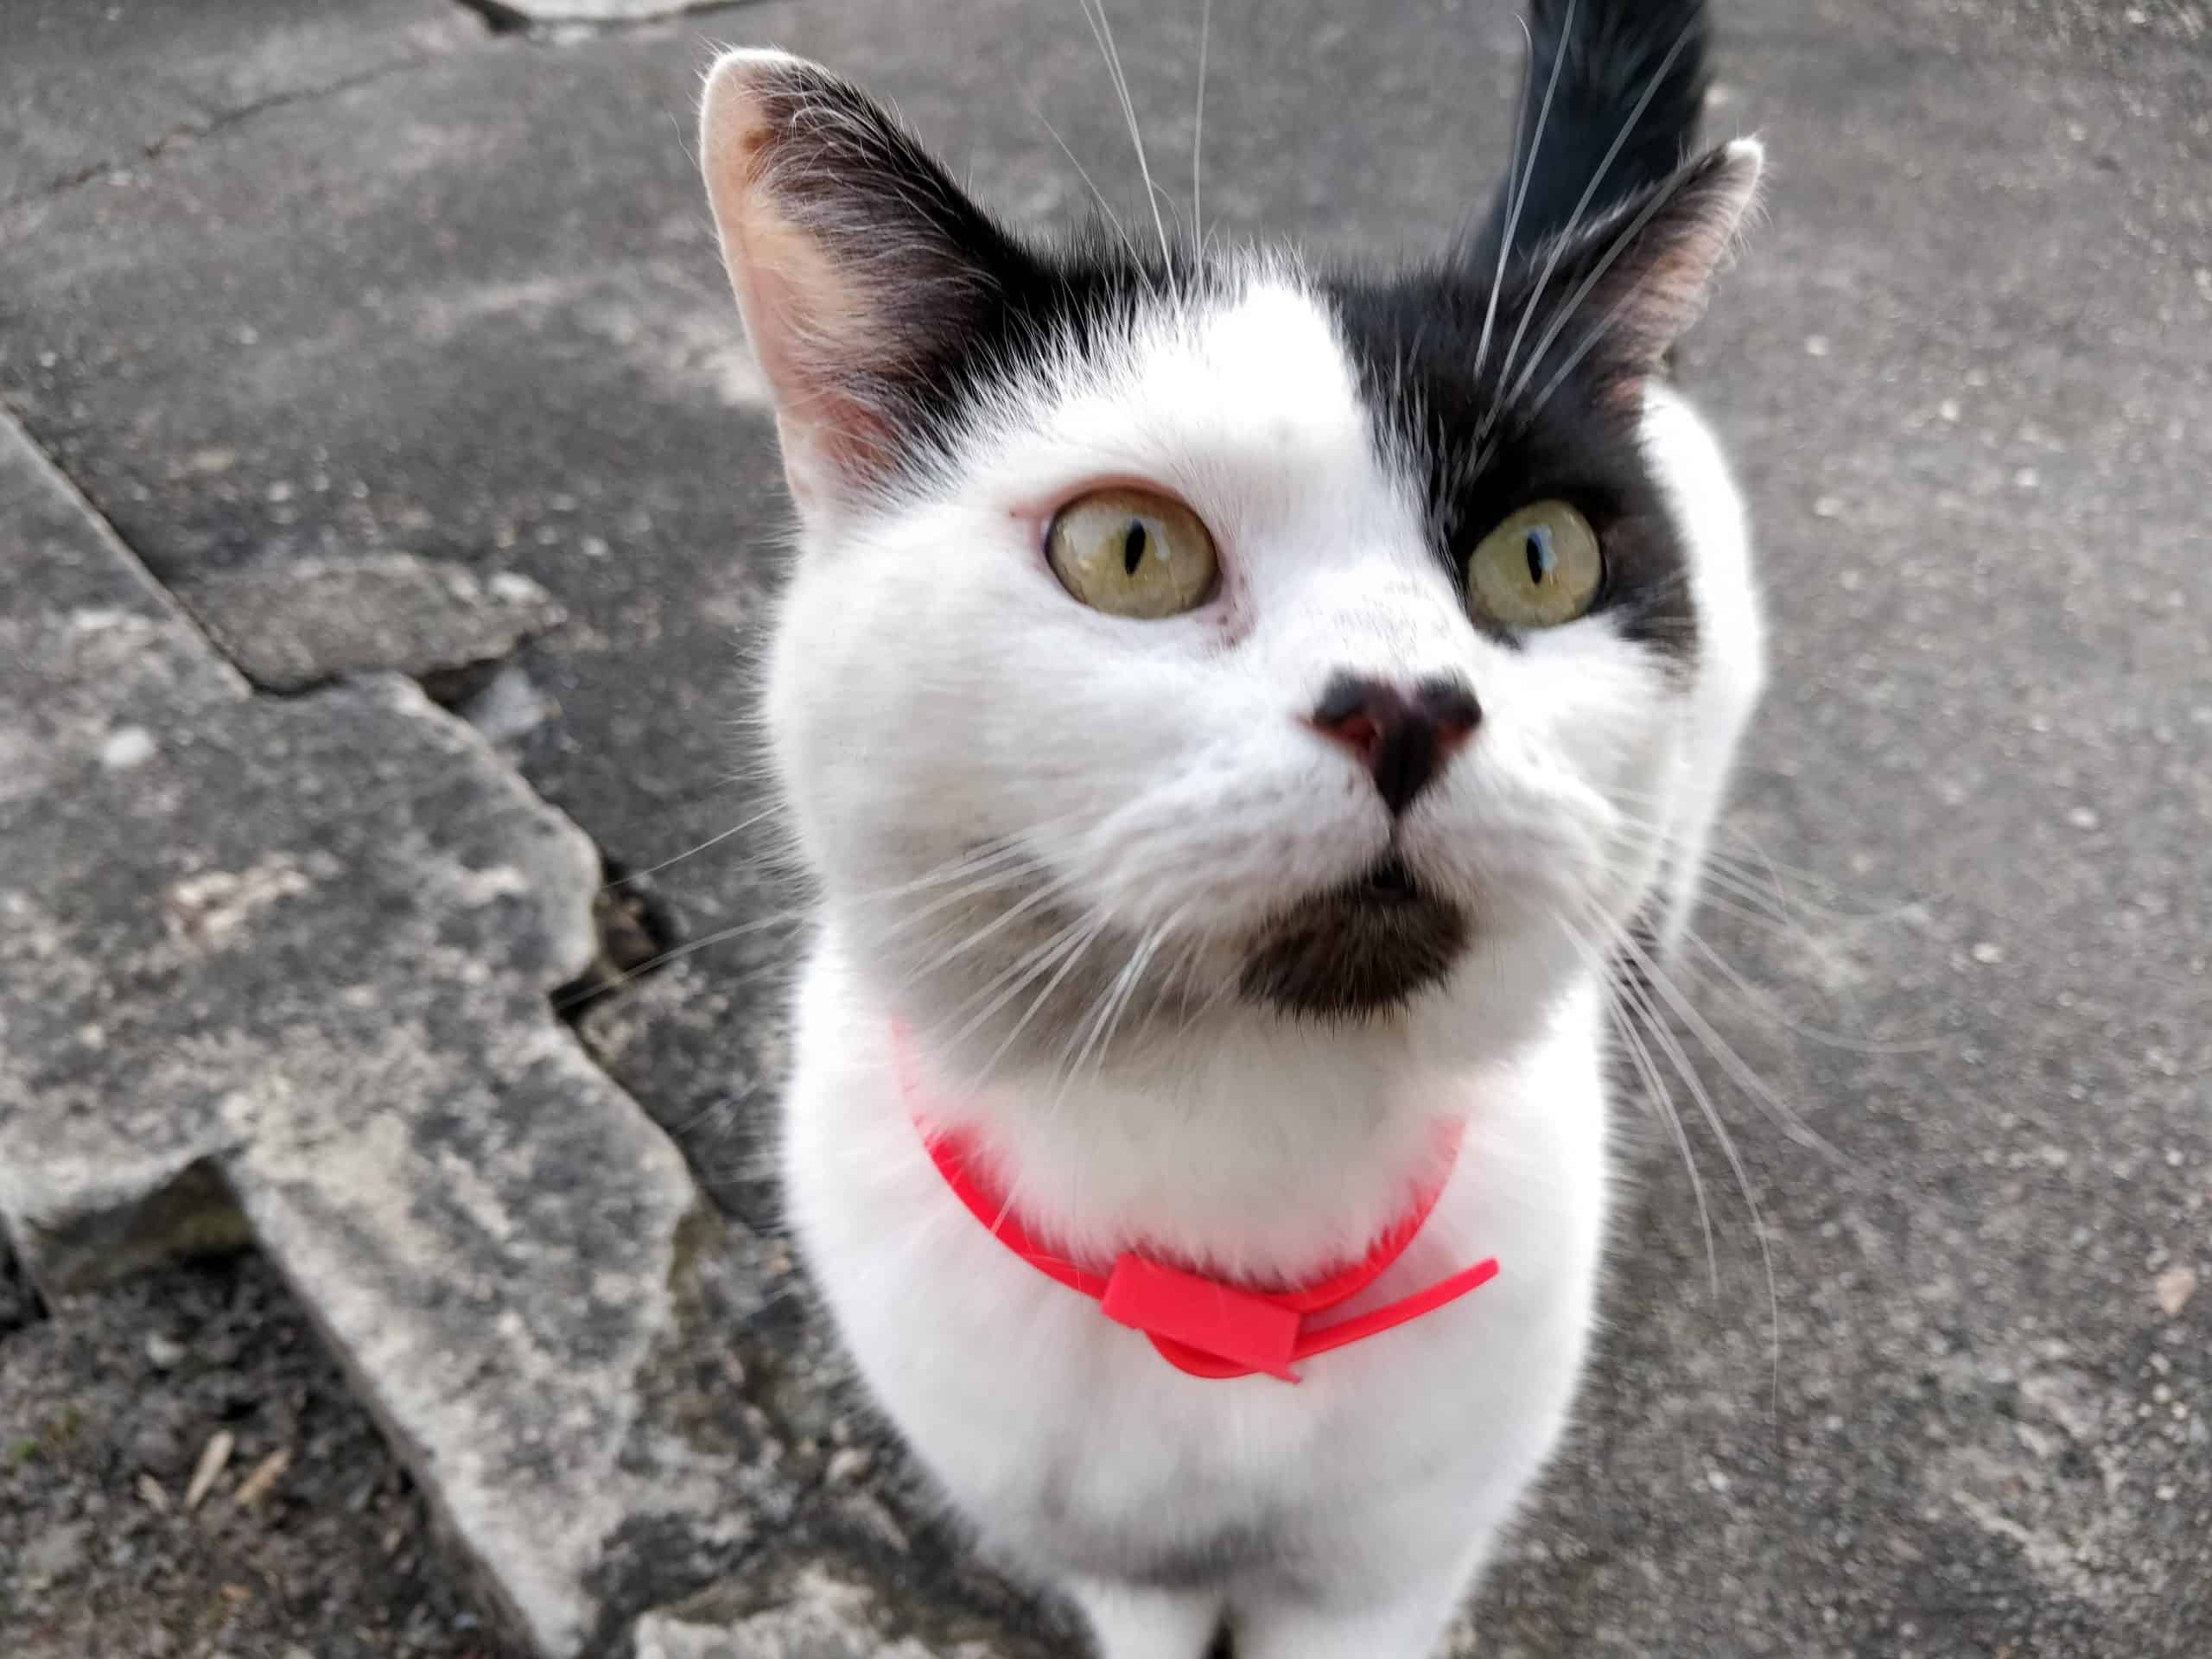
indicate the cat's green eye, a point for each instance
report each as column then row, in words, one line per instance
column 1133, row 553
column 1539, row 569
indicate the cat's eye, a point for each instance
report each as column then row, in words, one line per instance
column 1539, row 569
column 1133, row 553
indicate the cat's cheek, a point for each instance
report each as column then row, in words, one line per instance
column 1233, row 626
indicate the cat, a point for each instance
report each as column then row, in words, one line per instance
column 1234, row 709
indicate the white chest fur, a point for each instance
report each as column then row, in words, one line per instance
column 1079, row 1449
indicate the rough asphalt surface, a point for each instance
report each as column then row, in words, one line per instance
column 390, row 339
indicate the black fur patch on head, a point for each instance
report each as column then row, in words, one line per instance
column 1508, row 387
column 1415, row 340
column 1513, row 371
column 1077, row 295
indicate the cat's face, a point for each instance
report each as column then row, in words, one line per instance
column 1238, row 644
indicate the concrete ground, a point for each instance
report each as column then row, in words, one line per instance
column 388, row 340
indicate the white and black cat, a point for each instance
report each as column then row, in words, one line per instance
column 1234, row 710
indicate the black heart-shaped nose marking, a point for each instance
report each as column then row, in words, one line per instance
column 1405, row 738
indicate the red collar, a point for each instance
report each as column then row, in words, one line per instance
column 1207, row 1327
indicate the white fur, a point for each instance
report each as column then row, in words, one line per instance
column 933, row 689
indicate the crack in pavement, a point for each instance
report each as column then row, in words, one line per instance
column 191, row 132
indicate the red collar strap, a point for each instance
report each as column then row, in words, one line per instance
column 1207, row 1327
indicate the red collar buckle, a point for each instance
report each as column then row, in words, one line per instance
column 1213, row 1321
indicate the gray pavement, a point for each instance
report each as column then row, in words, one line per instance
column 388, row 338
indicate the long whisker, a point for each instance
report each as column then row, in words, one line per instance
column 598, row 988
column 1094, row 1028
column 1046, row 892
column 1102, row 29
column 1713, row 1120
column 1573, row 304
column 1589, row 191
column 1134, row 976
column 1786, row 1115
column 711, row 840
column 1198, row 127
column 1024, row 973
column 1044, row 995
column 1662, row 1098
column 955, row 869
column 1766, row 1005
column 1734, row 832
column 1520, row 190
column 1083, row 172
column 1761, row 885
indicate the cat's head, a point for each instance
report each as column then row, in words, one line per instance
column 1177, row 641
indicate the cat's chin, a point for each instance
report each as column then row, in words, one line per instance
column 1357, row 950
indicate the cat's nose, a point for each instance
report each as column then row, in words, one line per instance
column 1404, row 736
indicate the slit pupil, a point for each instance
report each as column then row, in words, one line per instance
column 1539, row 546
column 1133, row 548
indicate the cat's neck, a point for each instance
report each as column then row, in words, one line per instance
column 1268, row 1151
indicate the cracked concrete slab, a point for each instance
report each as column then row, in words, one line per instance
column 487, row 331
column 279, row 969
column 306, row 621
column 90, row 84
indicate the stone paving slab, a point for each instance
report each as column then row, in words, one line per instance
column 280, row 968
column 487, row 330
column 307, row 621
column 90, row 84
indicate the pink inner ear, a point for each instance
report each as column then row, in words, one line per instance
column 857, row 260
column 804, row 318
column 807, row 314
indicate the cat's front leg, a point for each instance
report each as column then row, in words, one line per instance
column 1137, row 1622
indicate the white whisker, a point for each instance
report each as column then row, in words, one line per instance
column 1773, row 1010
column 1662, row 1098
column 1102, row 29
column 1714, row 1122
column 1511, row 398
column 1083, row 172
column 1574, row 220
column 1044, row 995
column 1520, row 189
column 711, row 840
column 1784, row 1114
column 1198, row 127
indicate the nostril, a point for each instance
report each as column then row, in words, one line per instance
column 1348, row 697
column 1452, row 705
column 1358, row 733
column 1360, row 714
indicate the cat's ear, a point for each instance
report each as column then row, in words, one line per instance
column 1623, row 291
column 861, row 268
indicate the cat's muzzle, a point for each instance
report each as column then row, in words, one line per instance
column 1356, row 950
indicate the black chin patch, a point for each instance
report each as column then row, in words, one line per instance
column 1356, row 949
